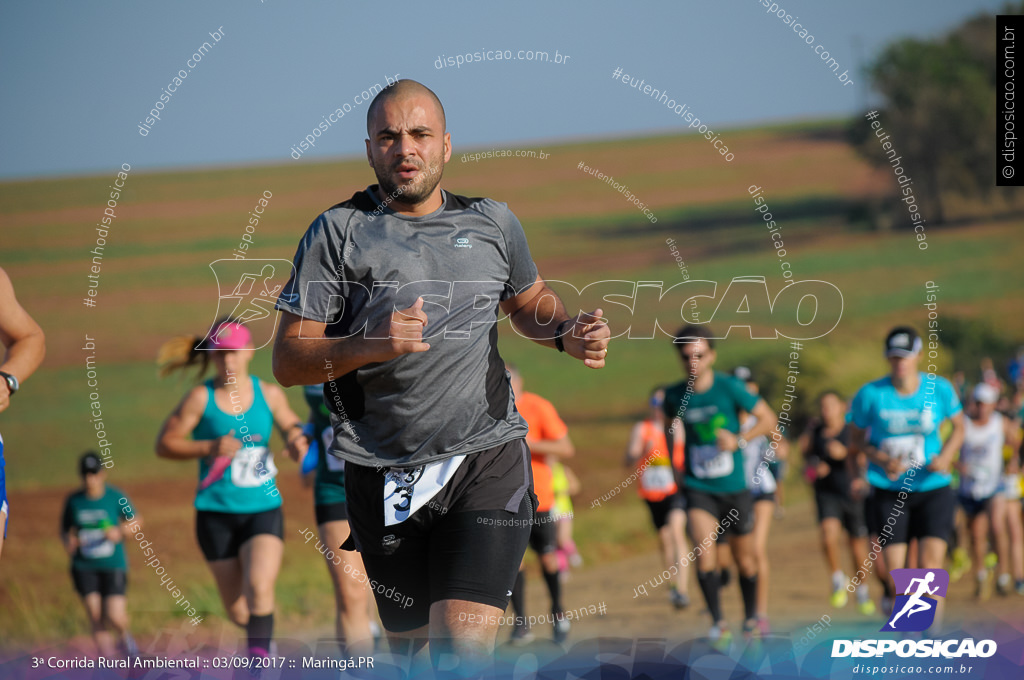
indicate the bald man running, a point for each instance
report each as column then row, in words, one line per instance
column 394, row 304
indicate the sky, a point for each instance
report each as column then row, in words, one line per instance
column 78, row 79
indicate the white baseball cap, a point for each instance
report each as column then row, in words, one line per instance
column 985, row 393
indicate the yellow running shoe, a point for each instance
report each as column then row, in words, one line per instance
column 839, row 598
column 720, row 638
column 961, row 565
column 867, row 607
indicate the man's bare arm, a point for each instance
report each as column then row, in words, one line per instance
column 303, row 356
column 559, row 448
column 586, row 339
column 21, row 336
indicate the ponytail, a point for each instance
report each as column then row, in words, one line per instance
column 178, row 354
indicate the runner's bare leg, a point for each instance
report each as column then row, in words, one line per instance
column 452, row 634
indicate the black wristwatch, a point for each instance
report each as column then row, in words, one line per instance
column 12, row 382
column 558, row 335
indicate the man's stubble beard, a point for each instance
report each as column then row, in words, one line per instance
column 416, row 190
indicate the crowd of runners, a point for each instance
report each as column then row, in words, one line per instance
column 901, row 474
column 911, row 472
column 432, row 470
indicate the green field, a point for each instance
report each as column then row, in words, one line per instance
column 156, row 283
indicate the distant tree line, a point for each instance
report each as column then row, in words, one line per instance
column 939, row 109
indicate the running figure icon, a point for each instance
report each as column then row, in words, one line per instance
column 915, row 603
column 919, row 591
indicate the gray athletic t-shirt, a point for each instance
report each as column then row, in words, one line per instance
column 357, row 263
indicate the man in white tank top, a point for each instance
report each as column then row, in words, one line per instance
column 981, row 475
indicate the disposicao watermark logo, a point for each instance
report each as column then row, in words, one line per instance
column 914, row 610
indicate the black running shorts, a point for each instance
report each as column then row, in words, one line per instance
column 848, row 511
column 221, row 534
column 106, row 582
column 722, row 505
column 974, row 506
column 660, row 509
column 466, row 544
column 923, row 514
column 543, row 539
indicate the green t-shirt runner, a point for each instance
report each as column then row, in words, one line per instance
column 703, row 414
column 329, row 487
column 91, row 517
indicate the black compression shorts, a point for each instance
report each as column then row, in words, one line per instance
column 543, row 539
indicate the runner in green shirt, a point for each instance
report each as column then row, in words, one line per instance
column 707, row 406
column 93, row 528
column 352, row 601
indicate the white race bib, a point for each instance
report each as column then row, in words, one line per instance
column 906, row 448
column 244, row 470
column 406, row 490
column 980, row 483
column 707, row 462
column 93, row 544
column 657, row 478
column 1011, row 486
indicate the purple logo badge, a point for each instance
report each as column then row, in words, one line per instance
column 914, row 609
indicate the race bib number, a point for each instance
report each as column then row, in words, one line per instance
column 245, row 469
column 1011, row 486
column 907, row 448
column 707, row 462
column 980, row 483
column 657, row 478
column 408, row 490
column 94, row 544
column 334, row 464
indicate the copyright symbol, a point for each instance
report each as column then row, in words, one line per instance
column 1008, row 171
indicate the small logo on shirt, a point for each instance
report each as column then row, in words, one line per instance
column 463, row 243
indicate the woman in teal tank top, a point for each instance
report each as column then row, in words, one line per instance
column 226, row 424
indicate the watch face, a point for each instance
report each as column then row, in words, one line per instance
column 12, row 382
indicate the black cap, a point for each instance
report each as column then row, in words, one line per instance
column 902, row 341
column 89, row 463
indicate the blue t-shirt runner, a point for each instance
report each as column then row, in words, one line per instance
column 906, row 427
column 895, row 422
